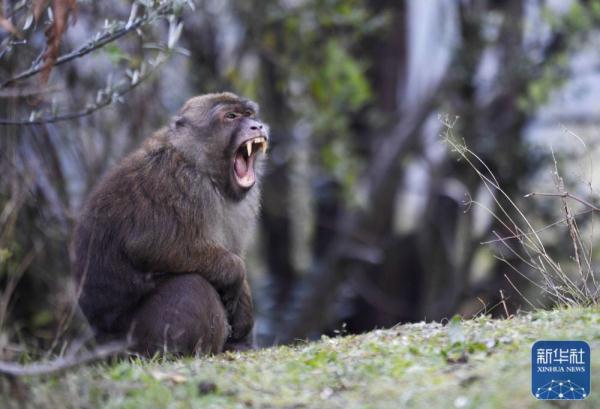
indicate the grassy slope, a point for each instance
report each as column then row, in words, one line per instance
column 482, row 363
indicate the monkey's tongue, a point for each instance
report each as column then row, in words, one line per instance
column 241, row 166
column 244, row 171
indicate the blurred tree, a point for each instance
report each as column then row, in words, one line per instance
column 363, row 217
column 45, row 165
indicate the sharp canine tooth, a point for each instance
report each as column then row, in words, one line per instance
column 263, row 147
column 249, row 147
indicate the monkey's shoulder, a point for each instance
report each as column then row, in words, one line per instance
column 154, row 174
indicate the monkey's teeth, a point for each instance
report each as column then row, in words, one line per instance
column 249, row 147
column 262, row 142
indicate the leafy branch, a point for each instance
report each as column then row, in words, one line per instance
column 104, row 98
column 111, row 33
column 99, row 42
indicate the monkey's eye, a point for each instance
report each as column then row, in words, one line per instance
column 230, row 115
column 248, row 113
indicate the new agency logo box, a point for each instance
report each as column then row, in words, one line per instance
column 560, row 370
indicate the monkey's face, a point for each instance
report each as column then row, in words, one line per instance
column 226, row 139
column 249, row 140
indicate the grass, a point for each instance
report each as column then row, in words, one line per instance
column 480, row 363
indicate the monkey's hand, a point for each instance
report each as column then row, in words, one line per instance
column 224, row 270
column 243, row 319
column 227, row 273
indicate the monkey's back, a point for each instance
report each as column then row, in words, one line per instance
column 140, row 203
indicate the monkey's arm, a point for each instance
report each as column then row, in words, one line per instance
column 224, row 270
column 243, row 319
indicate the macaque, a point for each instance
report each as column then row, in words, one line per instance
column 160, row 242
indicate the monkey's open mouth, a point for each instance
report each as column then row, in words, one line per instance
column 243, row 163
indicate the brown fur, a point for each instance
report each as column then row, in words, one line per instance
column 176, row 304
column 166, row 228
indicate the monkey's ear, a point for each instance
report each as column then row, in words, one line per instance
column 178, row 122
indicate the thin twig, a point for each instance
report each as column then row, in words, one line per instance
column 566, row 195
column 27, row 92
column 79, row 114
column 520, row 293
column 66, row 320
column 59, row 118
column 483, row 310
column 62, row 364
column 520, row 236
column 13, row 280
column 503, row 301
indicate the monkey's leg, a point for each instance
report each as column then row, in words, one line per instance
column 223, row 269
column 183, row 316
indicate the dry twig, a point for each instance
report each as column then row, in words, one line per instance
column 63, row 363
column 566, row 195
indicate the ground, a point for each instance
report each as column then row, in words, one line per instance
column 480, row 363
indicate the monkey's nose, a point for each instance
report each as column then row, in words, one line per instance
column 255, row 125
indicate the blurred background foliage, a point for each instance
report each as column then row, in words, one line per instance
column 366, row 218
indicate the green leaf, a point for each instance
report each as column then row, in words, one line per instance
column 115, row 53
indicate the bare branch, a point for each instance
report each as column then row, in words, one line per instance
column 27, row 92
column 64, row 363
column 79, row 114
column 503, row 302
column 58, row 118
column 520, row 293
column 11, row 284
column 534, row 232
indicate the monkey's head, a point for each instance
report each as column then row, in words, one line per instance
column 222, row 135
